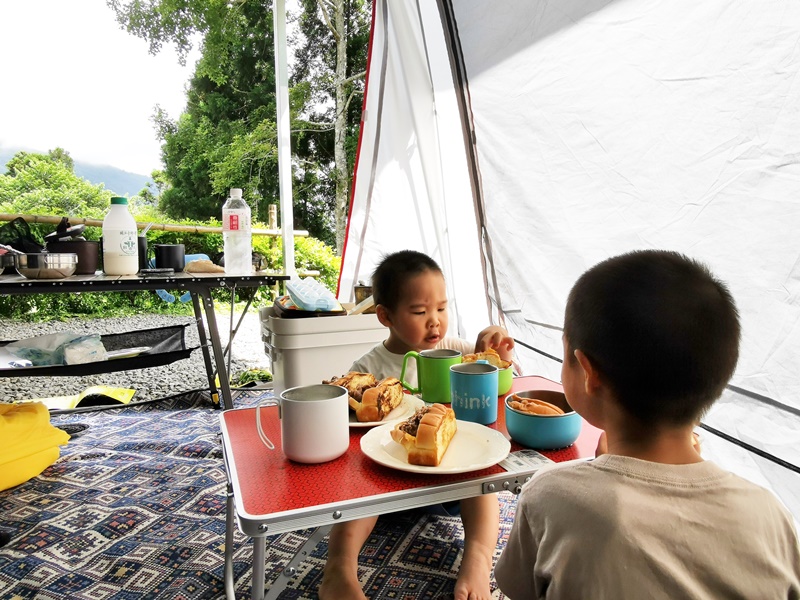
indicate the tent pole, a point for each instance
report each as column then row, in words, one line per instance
column 284, row 147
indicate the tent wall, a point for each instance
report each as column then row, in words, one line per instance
column 407, row 153
column 647, row 124
column 594, row 128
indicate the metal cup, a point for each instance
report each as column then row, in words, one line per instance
column 142, row 242
column 170, row 256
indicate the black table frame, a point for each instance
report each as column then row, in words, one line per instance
column 199, row 285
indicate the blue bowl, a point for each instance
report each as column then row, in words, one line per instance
column 543, row 432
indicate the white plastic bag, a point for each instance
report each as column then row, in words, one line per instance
column 63, row 348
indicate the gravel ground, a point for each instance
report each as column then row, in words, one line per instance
column 153, row 382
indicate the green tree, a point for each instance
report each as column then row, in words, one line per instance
column 44, row 184
column 227, row 136
column 332, row 60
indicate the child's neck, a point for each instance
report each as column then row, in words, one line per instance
column 628, row 436
column 672, row 446
column 397, row 346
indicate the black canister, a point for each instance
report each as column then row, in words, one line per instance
column 88, row 254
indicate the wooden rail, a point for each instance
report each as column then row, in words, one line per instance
column 50, row 220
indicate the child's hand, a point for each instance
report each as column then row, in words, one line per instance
column 496, row 338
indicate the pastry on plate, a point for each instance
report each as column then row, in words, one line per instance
column 426, row 434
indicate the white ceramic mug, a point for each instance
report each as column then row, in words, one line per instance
column 315, row 422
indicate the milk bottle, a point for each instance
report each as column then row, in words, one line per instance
column 120, row 248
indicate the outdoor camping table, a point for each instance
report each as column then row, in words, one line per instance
column 269, row 494
column 199, row 285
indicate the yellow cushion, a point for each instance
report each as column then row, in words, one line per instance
column 30, row 442
column 27, row 467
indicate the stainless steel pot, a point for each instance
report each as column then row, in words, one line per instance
column 46, row 265
column 8, row 260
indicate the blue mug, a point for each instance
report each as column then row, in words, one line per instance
column 473, row 392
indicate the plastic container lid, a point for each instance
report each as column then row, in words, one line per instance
column 119, row 200
column 309, row 294
column 236, row 193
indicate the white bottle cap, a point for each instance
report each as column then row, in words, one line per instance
column 236, row 193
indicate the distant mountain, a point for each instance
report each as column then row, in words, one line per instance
column 121, row 183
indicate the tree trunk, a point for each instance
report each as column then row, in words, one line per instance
column 340, row 126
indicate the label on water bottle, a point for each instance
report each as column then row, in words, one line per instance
column 235, row 220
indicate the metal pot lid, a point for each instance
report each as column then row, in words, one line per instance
column 66, row 235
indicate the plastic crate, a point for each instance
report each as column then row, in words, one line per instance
column 306, row 351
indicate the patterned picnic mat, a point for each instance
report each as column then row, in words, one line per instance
column 135, row 508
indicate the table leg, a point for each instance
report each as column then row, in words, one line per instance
column 201, row 332
column 219, row 355
column 230, row 591
column 259, row 552
column 290, row 570
column 234, row 330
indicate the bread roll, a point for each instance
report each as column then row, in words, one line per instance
column 534, row 406
column 355, row 383
column 490, row 355
column 426, row 435
column 379, row 401
column 203, row 265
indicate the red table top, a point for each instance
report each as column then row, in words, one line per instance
column 266, row 483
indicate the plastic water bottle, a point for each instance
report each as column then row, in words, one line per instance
column 236, row 235
column 120, row 246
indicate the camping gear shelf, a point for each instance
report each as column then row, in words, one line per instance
column 164, row 345
column 164, row 350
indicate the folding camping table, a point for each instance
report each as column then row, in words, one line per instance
column 199, row 285
column 268, row 494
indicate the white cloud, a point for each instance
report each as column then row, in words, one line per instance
column 72, row 78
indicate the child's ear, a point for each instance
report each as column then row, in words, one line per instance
column 383, row 315
column 591, row 376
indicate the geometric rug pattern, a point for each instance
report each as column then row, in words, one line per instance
column 135, row 508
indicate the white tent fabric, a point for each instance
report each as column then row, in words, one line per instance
column 520, row 143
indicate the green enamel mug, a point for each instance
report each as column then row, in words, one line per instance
column 433, row 373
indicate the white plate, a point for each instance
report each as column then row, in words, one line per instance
column 126, row 352
column 407, row 407
column 473, row 447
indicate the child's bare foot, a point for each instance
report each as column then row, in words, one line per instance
column 338, row 584
column 473, row 579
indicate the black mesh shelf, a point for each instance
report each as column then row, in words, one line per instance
column 167, row 344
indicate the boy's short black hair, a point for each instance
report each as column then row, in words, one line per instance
column 391, row 275
column 660, row 328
